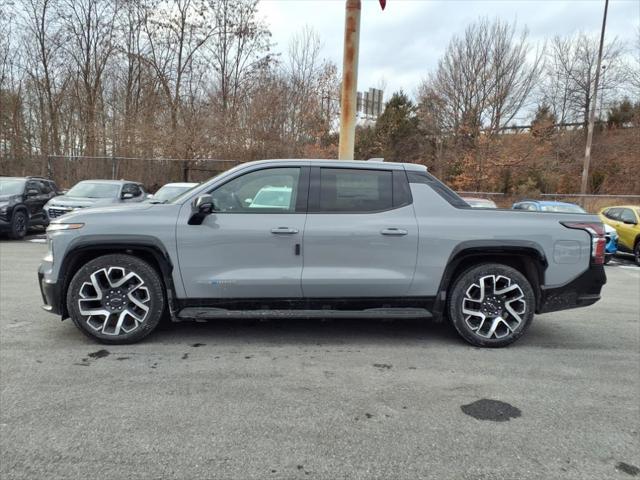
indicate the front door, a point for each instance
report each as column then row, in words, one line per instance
column 36, row 197
column 250, row 247
column 361, row 235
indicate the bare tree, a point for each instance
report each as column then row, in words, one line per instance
column 313, row 84
column 90, row 29
column 176, row 31
column 240, row 48
column 484, row 78
column 570, row 75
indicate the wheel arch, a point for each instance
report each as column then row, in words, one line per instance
column 147, row 248
column 20, row 207
column 525, row 256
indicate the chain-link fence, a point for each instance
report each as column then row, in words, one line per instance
column 591, row 203
column 152, row 172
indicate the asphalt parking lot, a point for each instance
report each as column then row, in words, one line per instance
column 318, row 399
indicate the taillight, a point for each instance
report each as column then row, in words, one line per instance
column 598, row 241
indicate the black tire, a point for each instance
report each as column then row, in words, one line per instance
column 19, row 225
column 636, row 253
column 607, row 258
column 144, row 276
column 466, row 288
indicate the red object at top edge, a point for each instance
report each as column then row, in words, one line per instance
column 383, row 3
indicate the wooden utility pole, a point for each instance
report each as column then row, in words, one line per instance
column 348, row 95
column 592, row 113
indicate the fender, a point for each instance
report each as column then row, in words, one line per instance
column 113, row 244
column 488, row 248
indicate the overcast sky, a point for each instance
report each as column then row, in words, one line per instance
column 401, row 44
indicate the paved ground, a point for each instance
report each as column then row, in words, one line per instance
column 311, row 399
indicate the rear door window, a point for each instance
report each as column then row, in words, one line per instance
column 355, row 190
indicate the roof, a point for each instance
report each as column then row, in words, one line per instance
column 547, row 202
column 113, row 182
column 621, row 206
column 180, row 184
column 28, row 178
column 341, row 163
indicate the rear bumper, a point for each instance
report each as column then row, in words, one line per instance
column 580, row 292
column 50, row 294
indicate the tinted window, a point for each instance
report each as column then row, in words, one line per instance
column 613, row 213
column 33, row 185
column 627, row 215
column 352, row 190
column 272, row 190
column 45, row 187
column 132, row 188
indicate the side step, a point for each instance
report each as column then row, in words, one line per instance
column 211, row 313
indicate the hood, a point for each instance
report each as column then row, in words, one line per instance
column 609, row 229
column 7, row 198
column 79, row 202
column 121, row 214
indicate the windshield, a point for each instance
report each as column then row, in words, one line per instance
column 11, row 186
column 94, row 190
column 562, row 208
column 168, row 192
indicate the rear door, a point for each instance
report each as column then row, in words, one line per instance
column 361, row 235
column 627, row 227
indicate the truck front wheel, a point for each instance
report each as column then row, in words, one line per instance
column 116, row 299
column 491, row 305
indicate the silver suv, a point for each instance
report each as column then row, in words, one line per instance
column 92, row 193
column 319, row 238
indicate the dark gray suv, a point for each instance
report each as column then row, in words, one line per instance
column 319, row 238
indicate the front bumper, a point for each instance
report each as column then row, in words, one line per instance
column 580, row 292
column 5, row 224
column 50, row 294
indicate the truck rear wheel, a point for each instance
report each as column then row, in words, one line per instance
column 491, row 305
column 116, row 299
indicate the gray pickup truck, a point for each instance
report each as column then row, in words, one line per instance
column 319, row 238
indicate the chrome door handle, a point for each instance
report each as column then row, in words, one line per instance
column 393, row 231
column 284, row 231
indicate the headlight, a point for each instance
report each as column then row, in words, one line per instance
column 54, row 227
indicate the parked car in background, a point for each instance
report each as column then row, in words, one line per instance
column 548, row 206
column 93, row 193
column 354, row 239
column 626, row 221
column 611, row 247
column 169, row 191
column 22, row 201
column 480, row 202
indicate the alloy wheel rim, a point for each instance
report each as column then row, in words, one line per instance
column 494, row 306
column 115, row 301
column 21, row 224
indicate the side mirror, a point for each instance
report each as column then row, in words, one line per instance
column 32, row 192
column 201, row 207
column 127, row 196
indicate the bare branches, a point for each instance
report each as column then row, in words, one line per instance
column 484, row 78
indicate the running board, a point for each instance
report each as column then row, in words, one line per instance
column 210, row 313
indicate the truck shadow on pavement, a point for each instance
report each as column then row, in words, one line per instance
column 354, row 332
column 308, row 331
